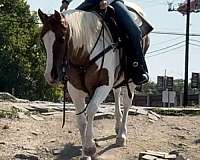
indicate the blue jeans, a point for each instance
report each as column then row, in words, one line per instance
column 127, row 25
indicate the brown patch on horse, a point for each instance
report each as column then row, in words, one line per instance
column 89, row 80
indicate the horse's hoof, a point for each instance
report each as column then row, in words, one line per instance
column 90, row 151
column 85, row 158
column 121, row 142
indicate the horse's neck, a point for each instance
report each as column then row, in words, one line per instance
column 85, row 27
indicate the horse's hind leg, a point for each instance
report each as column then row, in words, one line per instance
column 118, row 113
column 78, row 98
column 99, row 96
column 127, row 102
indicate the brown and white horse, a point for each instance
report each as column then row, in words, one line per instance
column 69, row 39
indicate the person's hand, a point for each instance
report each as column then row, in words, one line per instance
column 64, row 6
column 103, row 4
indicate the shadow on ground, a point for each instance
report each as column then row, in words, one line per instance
column 70, row 151
column 197, row 141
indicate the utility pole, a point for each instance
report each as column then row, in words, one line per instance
column 185, row 102
column 187, row 35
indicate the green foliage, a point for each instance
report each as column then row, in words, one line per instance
column 22, row 57
column 178, row 86
column 9, row 114
column 150, row 88
column 172, row 112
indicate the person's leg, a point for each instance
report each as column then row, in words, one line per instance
column 135, row 56
column 88, row 5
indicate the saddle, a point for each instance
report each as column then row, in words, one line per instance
column 110, row 20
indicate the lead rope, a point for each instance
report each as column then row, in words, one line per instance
column 64, row 106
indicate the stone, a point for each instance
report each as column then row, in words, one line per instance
column 56, row 151
column 28, row 148
column 7, row 96
column 180, row 157
column 47, row 149
column 37, row 118
column 152, row 117
column 142, row 111
column 35, row 133
column 104, row 116
column 27, row 156
column 21, row 115
column 34, row 152
column 155, row 114
column 6, row 127
column 149, row 157
column 20, row 108
column 69, row 131
column 3, row 143
column 154, row 155
column 39, row 108
column 152, row 121
column 132, row 112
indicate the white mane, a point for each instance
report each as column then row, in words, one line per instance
column 84, row 28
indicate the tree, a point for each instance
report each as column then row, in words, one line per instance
column 150, row 88
column 22, row 57
column 178, row 86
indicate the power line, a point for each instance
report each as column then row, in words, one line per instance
column 165, row 51
column 174, row 33
column 166, row 47
column 194, row 44
column 195, row 40
column 166, row 41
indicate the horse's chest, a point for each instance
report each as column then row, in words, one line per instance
column 88, row 79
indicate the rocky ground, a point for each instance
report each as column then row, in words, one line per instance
column 38, row 134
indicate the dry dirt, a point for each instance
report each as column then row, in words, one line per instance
column 47, row 140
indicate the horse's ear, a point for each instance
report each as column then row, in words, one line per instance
column 58, row 16
column 43, row 16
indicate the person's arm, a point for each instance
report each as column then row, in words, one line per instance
column 65, row 4
column 67, row 1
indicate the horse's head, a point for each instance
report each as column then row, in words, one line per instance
column 55, row 33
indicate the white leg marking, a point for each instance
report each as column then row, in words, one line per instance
column 99, row 96
column 127, row 102
column 49, row 39
column 78, row 98
column 118, row 113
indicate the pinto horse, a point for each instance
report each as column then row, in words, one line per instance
column 69, row 39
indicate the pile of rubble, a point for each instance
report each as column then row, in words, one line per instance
column 106, row 111
column 153, row 155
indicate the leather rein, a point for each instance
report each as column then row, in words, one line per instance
column 84, row 68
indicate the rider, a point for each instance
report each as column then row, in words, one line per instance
column 138, row 71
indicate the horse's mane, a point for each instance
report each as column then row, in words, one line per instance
column 84, row 28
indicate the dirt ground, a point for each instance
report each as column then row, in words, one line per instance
column 46, row 139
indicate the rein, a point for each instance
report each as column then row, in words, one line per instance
column 84, row 68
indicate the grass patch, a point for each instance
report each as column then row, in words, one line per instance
column 172, row 112
column 9, row 114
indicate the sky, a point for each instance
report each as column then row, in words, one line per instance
column 167, row 52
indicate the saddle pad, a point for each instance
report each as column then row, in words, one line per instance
column 139, row 18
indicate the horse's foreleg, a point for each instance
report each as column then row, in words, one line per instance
column 78, row 98
column 118, row 113
column 99, row 96
column 127, row 102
